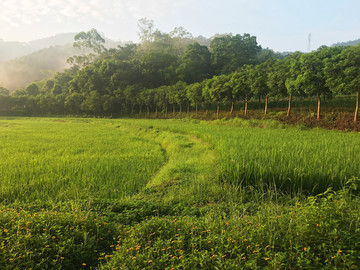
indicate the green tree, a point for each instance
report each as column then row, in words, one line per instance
column 194, row 95
column 73, row 103
column 33, row 89
column 276, row 81
column 180, row 94
column 241, row 84
column 4, row 91
column 146, row 29
column 171, row 97
column 161, row 99
column 217, row 90
column 232, row 52
column 293, row 64
column 157, row 68
column 91, row 39
column 312, row 78
column 147, row 96
column 92, row 103
column 86, row 41
column 342, row 73
column 195, row 64
column 259, row 86
column 131, row 93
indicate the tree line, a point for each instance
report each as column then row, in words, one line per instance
column 171, row 72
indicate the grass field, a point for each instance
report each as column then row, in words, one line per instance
column 176, row 194
column 57, row 160
column 292, row 159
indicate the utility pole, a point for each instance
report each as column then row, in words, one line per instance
column 309, row 43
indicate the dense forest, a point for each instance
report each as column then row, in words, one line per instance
column 174, row 71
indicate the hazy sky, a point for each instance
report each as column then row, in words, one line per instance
column 281, row 25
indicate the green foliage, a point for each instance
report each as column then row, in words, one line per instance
column 312, row 78
column 4, row 91
column 258, row 75
column 91, row 39
column 32, row 89
column 313, row 234
column 232, row 52
column 53, row 238
column 194, row 94
column 342, row 71
column 276, row 78
column 241, row 82
column 195, row 64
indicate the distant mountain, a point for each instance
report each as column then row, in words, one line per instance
column 347, row 43
column 13, row 49
column 20, row 72
column 23, row 63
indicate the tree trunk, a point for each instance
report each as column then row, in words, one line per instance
column 173, row 109
column 166, row 110
column 357, row 107
column 318, row 108
column 288, row 112
column 266, row 104
column 217, row 111
column 156, row 111
column 188, row 109
column 259, row 99
column 132, row 109
column 196, row 110
column 140, row 110
column 148, row 110
column 246, row 105
column 232, row 108
column 180, row 109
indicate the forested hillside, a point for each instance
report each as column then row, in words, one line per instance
column 13, row 49
column 20, row 72
column 347, row 43
column 38, row 60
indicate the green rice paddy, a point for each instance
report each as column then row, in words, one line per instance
column 176, row 194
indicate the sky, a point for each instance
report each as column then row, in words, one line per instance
column 281, row 25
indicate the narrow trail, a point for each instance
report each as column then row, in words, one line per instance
column 190, row 169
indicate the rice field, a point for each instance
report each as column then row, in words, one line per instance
column 258, row 153
column 177, row 194
column 57, row 160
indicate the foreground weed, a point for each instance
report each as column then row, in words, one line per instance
column 320, row 232
column 53, row 238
